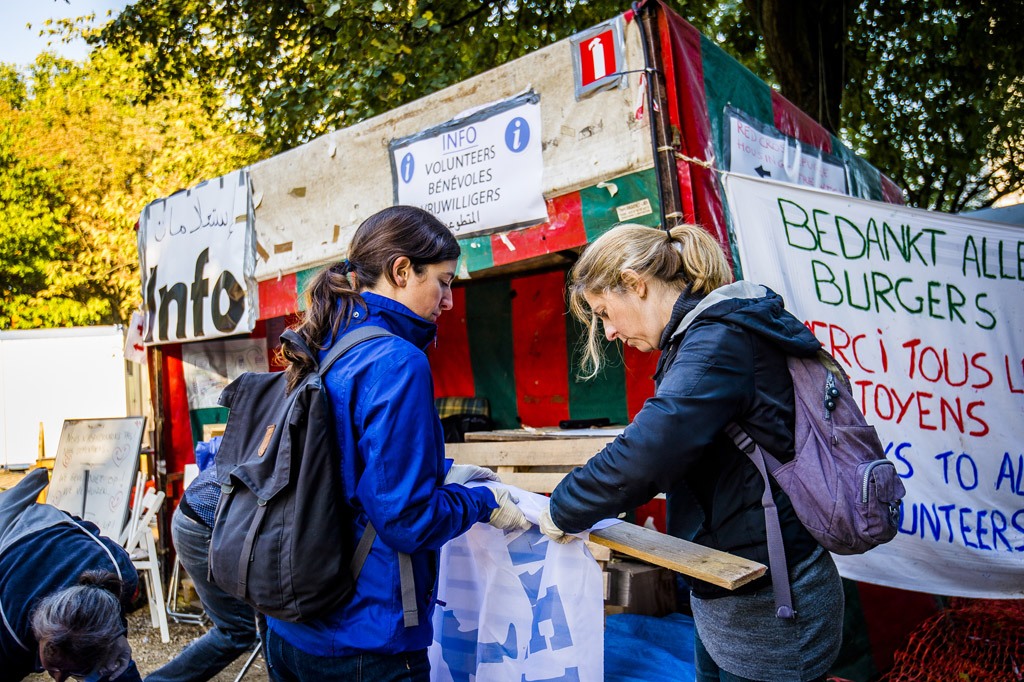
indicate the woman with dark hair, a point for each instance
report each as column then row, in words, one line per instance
column 63, row 593
column 397, row 277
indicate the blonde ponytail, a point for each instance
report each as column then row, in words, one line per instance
column 687, row 255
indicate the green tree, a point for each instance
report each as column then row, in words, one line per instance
column 80, row 156
column 936, row 98
column 299, row 68
column 927, row 90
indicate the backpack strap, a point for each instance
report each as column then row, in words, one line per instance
column 773, row 529
column 350, row 339
column 292, row 337
column 410, row 612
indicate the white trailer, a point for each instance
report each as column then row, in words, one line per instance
column 49, row 375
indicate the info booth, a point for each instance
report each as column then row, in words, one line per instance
column 638, row 120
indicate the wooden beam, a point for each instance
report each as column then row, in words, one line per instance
column 710, row 565
column 565, row 452
column 543, row 433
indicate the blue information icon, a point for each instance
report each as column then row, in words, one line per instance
column 408, row 165
column 517, row 134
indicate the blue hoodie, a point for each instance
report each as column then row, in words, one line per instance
column 382, row 397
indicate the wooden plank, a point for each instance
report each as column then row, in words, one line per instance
column 534, row 482
column 543, row 433
column 553, row 452
column 711, row 565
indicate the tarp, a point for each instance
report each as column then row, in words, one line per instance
column 925, row 312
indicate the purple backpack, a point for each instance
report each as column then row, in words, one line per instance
column 843, row 489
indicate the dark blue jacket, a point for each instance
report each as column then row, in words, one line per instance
column 44, row 560
column 392, row 450
column 723, row 360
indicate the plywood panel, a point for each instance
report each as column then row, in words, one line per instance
column 309, row 200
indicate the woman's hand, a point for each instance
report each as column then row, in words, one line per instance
column 548, row 527
column 464, row 473
column 507, row 516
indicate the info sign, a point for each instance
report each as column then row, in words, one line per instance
column 924, row 311
column 197, row 254
column 760, row 150
column 478, row 173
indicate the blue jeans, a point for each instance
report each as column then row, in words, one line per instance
column 708, row 670
column 285, row 663
column 234, row 622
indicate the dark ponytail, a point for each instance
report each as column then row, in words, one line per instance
column 378, row 243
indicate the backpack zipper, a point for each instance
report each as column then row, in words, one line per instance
column 867, row 477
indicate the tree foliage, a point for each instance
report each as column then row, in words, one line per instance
column 80, row 157
column 300, row 68
column 936, row 98
column 928, row 90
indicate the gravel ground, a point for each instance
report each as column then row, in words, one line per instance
column 150, row 653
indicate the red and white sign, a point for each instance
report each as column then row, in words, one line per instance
column 597, row 57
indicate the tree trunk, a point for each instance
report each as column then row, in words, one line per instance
column 804, row 42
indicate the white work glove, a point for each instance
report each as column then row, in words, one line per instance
column 548, row 527
column 464, row 473
column 118, row 659
column 507, row 516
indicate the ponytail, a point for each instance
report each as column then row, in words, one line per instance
column 686, row 256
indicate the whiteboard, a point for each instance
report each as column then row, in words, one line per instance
column 97, row 460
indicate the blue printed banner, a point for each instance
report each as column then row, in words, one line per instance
column 516, row 607
column 925, row 312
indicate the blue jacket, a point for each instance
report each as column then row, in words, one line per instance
column 44, row 550
column 723, row 360
column 392, row 452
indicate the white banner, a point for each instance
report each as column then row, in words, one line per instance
column 517, row 606
column 762, row 151
column 925, row 310
column 197, row 253
column 477, row 173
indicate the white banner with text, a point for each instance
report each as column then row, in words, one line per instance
column 197, row 254
column 925, row 311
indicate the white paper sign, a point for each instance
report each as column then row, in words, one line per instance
column 197, row 254
column 759, row 151
column 478, row 173
column 925, row 310
column 517, row 606
column 211, row 365
column 134, row 340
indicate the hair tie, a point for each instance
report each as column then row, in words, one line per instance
column 348, row 267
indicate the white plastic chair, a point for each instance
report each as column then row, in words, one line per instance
column 137, row 539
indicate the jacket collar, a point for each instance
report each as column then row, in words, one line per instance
column 741, row 289
column 686, row 302
column 396, row 318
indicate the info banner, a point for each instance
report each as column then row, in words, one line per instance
column 926, row 312
column 197, row 255
column 477, row 173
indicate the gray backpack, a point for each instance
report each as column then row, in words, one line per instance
column 282, row 533
column 843, row 489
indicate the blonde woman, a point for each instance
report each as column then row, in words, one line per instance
column 723, row 359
